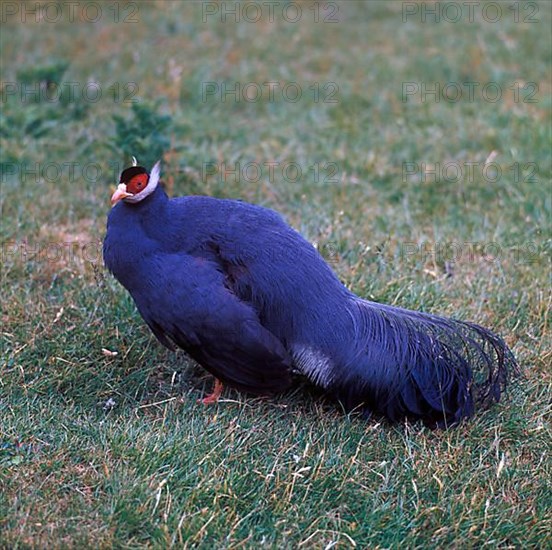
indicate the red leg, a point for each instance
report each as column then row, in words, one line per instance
column 213, row 397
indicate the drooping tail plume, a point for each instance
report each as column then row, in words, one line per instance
column 421, row 366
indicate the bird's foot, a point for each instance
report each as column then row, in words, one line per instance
column 213, row 397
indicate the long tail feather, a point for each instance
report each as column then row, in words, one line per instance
column 421, row 366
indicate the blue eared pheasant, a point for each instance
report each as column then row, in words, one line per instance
column 253, row 302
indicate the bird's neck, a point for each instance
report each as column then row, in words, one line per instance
column 150, row 213
column 154, row 203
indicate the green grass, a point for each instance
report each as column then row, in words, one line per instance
column 102, row 450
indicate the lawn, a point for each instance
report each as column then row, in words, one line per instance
column 413, row 152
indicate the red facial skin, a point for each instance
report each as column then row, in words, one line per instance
column 133, row 187
column 137, row 183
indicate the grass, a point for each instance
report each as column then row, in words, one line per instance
column 102, row 443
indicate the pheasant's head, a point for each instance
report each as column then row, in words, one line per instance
column 136, row 184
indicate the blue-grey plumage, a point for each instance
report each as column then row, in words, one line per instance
column 251, row 300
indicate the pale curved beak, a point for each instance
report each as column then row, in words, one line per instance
column 120, row 193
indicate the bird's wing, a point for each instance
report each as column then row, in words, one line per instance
column 186, row 300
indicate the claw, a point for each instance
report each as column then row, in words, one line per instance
column 213, row 397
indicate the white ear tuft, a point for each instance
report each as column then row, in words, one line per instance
column 150, row 187
column 134, row 161
column 156, row 171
